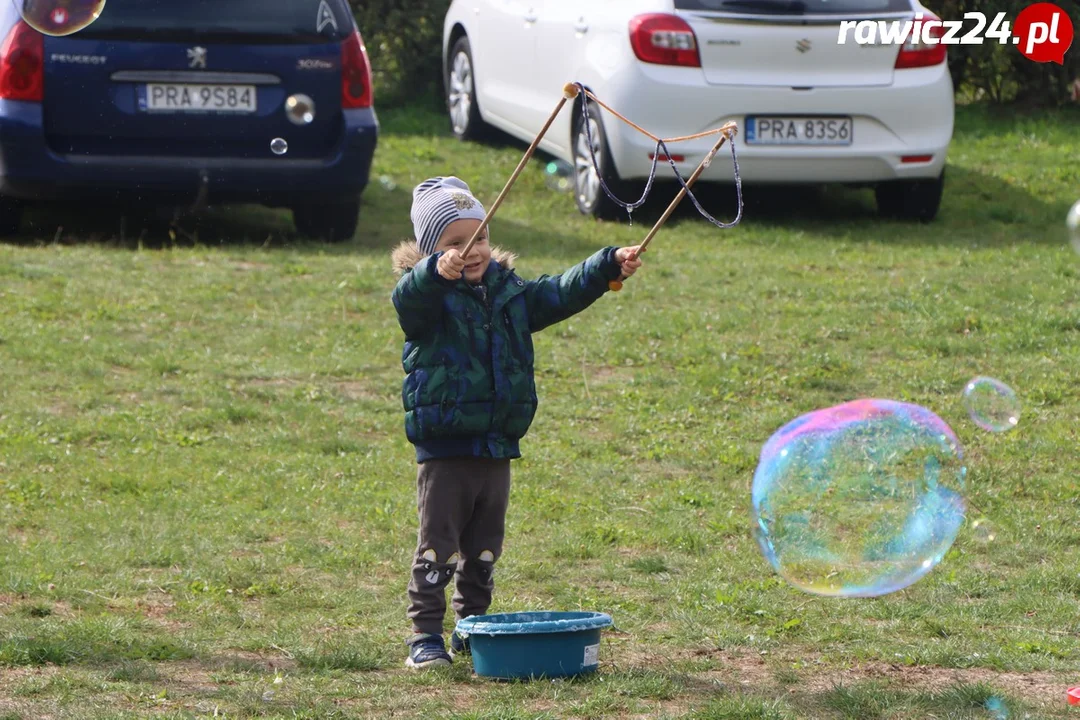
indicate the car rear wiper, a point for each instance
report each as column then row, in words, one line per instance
column 793, row 7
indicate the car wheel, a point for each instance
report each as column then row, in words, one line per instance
column 590, row 196
column 465, row 120
column 917, row 200
column 11, row 212
column 332, row 222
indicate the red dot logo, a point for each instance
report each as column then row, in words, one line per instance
column 1043, row 32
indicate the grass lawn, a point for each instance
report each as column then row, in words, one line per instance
column 208, row 503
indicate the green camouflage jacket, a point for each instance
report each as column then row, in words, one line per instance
column 468, row 356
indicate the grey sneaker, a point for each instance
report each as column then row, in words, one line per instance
column 427, row 651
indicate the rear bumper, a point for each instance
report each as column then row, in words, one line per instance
column 911, row 117
column 30, row 170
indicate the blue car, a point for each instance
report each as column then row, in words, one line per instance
column 191, row 103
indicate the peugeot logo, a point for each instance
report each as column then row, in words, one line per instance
column 803, row 45
column 197, row 57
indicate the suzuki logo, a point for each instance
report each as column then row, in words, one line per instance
column 803, row 45
column 197, row 57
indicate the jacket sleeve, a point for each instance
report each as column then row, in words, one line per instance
column 418, row 297
column 553, row 299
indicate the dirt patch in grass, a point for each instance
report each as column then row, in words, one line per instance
column 17, row 535
column 351, row 389
column 35, row 608
column 24, row 710
column 8, row 599
column 241, row 265
column 742, row 671
column 738, row 671
column 608, row 375
column 188, row 677
column 465, row 698
column 9, row 676
column 242, row 553
column 260, row 382
column 157, row 610
column 355, row 390
column 256, row 661
column 401, row 703
column 1034, row 687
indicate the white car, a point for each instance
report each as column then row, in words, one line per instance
column 809, row 109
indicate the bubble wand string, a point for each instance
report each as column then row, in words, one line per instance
column 616, row 285
column 571, row 91
column 660, row 144
column 727, row 132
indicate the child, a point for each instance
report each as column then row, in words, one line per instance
column 469, row 393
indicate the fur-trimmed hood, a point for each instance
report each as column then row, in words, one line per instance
column 406, row 255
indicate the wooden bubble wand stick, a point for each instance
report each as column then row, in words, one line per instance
column 570, row 91
column 616, row 285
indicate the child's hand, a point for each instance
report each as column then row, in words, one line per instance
column 627, row 257
column 450, row 265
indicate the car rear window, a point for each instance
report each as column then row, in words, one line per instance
column 184, row 20
column 795, row 7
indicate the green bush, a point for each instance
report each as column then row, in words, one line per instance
column 999, row 73
column 404, row 43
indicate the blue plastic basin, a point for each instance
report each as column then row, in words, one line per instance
column 534, row 644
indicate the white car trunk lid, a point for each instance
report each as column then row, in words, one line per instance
column 762, row 43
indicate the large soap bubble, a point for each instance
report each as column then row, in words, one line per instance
column 59, row 17
column 860, row 499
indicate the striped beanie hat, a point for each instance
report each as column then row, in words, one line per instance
column 437, row 202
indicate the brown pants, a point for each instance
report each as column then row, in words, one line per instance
column 462, row 507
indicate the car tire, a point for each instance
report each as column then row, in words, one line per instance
column 332, row 222
column 911, row 200
column 588, row 193
column 460, row 86
column 11, row 212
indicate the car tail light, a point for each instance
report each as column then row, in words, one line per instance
column 22, row 64
column 915, row 53
column 356, row 90
column 664, row 40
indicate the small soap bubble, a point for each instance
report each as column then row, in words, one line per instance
column 58, row 18
column 1072, row 226
column 278, row 146
column 991, row 404
column 387, row 182
column 859, row 500
column 559, row 176
column 983, row 530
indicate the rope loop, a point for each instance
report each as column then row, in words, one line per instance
column 660, row 144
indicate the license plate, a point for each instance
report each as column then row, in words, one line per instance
column 798, row 130
column 167, row 97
